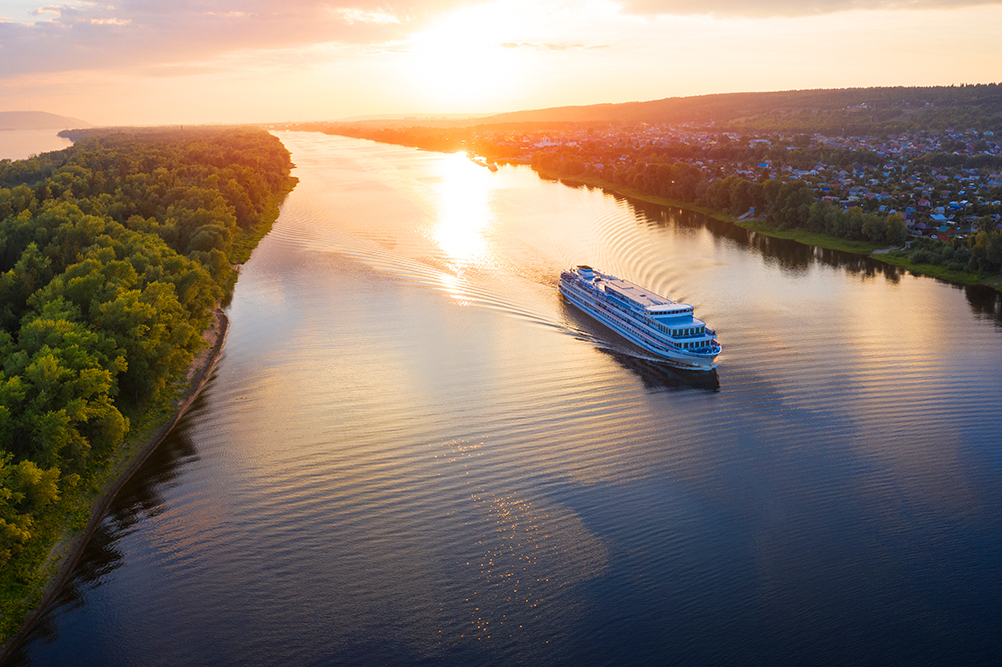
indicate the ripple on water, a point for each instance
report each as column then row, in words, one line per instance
column 413, row 452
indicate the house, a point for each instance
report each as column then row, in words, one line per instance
column 944, row 233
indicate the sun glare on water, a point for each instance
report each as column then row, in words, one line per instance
column 464, row 213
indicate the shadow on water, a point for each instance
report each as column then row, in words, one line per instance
column 655, row 376
column 661, row 377
column 140, row 497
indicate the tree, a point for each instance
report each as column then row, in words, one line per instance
column 897, row 230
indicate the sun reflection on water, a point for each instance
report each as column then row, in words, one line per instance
column 463, row 212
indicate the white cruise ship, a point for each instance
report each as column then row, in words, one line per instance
column 663, row 327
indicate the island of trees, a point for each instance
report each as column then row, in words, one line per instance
column 114, row 254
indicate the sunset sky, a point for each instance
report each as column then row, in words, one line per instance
column 188, row 61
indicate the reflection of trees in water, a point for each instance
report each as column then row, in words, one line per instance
column 985, row 302
column 140, row 497
column 789, row 255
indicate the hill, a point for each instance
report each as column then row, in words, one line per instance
column 836, row 111
column 38, row 120
column 833, row 112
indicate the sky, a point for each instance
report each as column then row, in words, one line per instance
column 128, row 62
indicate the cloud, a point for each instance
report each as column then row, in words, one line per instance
column 352, row 15
column 551, row 46
column 789, row 8
column 91, row 35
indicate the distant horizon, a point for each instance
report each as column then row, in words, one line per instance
column 443, row 115
column 255, row 61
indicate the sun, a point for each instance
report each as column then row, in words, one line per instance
column 464, row 64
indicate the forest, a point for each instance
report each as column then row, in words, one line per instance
column 113, row 255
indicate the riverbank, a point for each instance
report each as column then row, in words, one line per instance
column 801, row 236
column 63, row 556
column 114, row 383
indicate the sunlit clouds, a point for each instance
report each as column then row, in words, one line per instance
column 459, row 61
column 260, row 60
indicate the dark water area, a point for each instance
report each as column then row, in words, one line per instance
column 413, row 452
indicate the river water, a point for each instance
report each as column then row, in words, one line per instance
column 22, row 144
column 412, row 452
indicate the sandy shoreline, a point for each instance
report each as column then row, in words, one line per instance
column 69, row 552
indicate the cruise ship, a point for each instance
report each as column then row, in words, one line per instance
column 663, row 327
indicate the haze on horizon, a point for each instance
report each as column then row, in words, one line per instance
column 141, row 62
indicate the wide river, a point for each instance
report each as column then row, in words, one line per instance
column 413, row 452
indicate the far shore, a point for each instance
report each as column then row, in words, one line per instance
column 67, row 551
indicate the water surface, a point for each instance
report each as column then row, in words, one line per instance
column 412, row 451
column 21, row 144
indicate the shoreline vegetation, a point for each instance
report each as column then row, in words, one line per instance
column 70, row 545
column 116, row 255
column 879, row 252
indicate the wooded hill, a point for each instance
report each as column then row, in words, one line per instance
column 113, row 254
column 848, row 111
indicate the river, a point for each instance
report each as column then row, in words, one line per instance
column 413, row 452
column 22, row 144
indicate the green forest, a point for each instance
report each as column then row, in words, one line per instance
column 113, row 255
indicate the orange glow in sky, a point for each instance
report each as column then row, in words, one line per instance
column 134, row 62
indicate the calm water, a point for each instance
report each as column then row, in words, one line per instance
column 21, row 144
column 412, row 452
